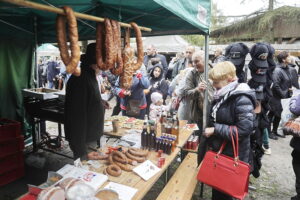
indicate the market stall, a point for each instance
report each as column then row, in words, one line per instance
column 134, row 180
column 35, row 23
column 24, row 27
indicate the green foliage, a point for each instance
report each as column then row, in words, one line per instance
column 258, row 26
column 196, row 40
column 217, row 18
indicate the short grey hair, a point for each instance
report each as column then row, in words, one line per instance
column 198, row 54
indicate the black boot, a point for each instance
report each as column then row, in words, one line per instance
column 272, row 136
column 295, row 197
column 278, row 135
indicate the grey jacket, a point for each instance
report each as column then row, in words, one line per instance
column 180, row 65
column 190, row 91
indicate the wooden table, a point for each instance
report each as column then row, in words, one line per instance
column 133, row 180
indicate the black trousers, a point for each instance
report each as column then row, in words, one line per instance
column 217, row 195
column 117, row 108
column 275, row 120
column 296, row 167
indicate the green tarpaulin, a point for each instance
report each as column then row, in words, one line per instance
column 15, row 75
column 163, row 16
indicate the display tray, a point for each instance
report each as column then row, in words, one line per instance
column 61, row 95
column 40, row 93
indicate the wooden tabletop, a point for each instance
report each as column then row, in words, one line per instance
column 184, row 133
column 133, row 180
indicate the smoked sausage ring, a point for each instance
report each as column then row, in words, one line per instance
column 136, row 158
column 128, row 56
column 138, row 152
column 72, row 61
column 139, row 42
column 117, row 69
column 119, row 157
column 114, row 170
column 105, row 46
column 125, row 167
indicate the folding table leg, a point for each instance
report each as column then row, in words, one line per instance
column 166, row 175
column 201, row 190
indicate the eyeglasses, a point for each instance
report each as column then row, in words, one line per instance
column 188, row 52
column 196, row 61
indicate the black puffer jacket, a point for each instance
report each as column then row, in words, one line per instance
column 283, row 79
column 236, row 110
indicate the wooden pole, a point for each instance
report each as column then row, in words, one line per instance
column 60, row 11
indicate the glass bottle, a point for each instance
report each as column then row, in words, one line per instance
column 144, row 135
column 152, row 138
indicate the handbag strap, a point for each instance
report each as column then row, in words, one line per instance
column 235, row 143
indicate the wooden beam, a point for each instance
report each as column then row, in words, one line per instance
column 291, row 41
column 60, row 11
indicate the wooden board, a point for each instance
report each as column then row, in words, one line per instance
column 133, row 180
column 183, row 182
column 184, row 135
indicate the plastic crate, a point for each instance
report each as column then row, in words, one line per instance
column 11, row 175
column 9, row 129
column 11, row 146
column 11, row 162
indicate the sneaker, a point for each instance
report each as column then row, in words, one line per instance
column 267, row 151
column 272, row 136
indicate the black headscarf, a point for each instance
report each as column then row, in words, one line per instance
column 89, row 57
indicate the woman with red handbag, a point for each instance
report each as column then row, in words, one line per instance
column 233, row 106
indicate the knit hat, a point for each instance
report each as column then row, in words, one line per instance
column 156, row 97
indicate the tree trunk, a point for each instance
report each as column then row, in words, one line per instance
column 271, row 5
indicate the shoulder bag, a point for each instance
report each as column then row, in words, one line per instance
column 223, row 173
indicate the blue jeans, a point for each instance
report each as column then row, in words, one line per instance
column 50, row 84
column 266, row 138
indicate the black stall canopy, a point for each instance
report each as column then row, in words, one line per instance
column 23, row 27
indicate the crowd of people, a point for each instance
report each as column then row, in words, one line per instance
column 252, row 104
column 51, row 73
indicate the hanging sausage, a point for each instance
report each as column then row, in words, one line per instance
column 72, row 61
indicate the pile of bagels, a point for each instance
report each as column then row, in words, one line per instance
column 109, row 52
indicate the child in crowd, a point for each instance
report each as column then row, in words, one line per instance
column 157, row 107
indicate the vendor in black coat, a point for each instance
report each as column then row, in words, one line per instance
column 233, row 105
column 84, row 111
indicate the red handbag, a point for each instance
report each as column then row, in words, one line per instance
column 226, row 174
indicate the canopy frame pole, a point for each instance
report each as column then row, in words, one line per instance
column 60, row 11
column 206, row 80
column 85, row 23
column 35, row 52
column 16, row 27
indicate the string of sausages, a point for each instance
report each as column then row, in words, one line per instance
column 108, row 45
column 109, row 54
